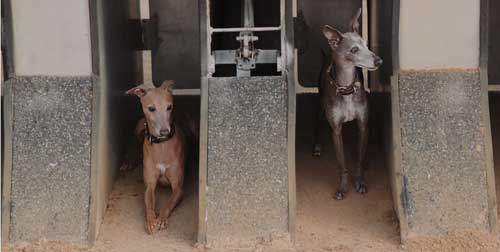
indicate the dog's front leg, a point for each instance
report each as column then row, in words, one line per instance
column 150, row 181
column 360, row 183
column 339, row 151
column 175, row 177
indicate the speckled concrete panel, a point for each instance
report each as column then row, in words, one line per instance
column 443, row 152
column 51, row 158
column 247, row 181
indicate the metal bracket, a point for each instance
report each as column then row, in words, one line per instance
column 300, row 31
column 222, row 57
column 246, row 55
column 149, row 34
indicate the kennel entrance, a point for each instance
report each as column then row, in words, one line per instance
column 370, row 216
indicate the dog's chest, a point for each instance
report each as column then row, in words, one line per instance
column 346, row 110
column 162, row 167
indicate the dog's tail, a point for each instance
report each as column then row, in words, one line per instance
column 324, row 65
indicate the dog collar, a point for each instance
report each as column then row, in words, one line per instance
column 154, row 139
column 342, row 90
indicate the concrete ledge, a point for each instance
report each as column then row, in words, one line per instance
column 247, row 170
column 51, row 158
column 444, row 164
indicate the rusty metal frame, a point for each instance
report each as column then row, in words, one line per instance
column 7, row 135
column 483, row 73
column 205, row 41
column 289, row 60
column 93, row 224
column 395, row 145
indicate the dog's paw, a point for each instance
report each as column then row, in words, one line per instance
column 316, row 150
column 152, row 224
column 361, row 186
column 316, row 153
column 340, row 195
column 126, row 166
column 163, row 222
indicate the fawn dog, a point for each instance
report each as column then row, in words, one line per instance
column 165, row 148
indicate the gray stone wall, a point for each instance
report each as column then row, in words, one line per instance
column 247, row 171
column 51, row 158
column 443, row 152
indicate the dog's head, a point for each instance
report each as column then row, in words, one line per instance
column 157, row 105
column 350, row 47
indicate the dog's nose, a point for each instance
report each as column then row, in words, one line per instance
column 378, row 61
column 164, row 132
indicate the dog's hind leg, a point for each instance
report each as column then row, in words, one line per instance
column 319, row 131
column 360, row 183
column 133, row 157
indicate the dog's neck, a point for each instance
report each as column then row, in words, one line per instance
column 154, row 139
column 345, row 74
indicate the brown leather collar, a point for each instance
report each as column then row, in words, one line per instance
column 343, row 90
column 154, row 139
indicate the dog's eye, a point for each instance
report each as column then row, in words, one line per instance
column 169, row 107
column 152, row 109
column 354, row 49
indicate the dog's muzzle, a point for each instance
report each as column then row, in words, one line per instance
column 154, row 139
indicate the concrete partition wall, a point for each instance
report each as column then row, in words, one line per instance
column 66, row 115
column 49, row 105
column 247, row 141
column 117, row 68
column 247, row 164
column 445, row 176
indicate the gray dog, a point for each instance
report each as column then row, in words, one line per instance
column 343, row 97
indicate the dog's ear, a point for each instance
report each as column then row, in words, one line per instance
column 333, row 35
column 354, row 24
column 140, row 91
column 168, row 85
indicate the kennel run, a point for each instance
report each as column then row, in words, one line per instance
column 66, row 122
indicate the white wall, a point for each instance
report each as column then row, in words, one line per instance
column 51, row 37
column 439, row 34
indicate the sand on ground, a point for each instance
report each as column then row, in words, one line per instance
column 360, row 223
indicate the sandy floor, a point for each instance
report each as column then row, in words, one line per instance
column 359, row 223
column 356, row 224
